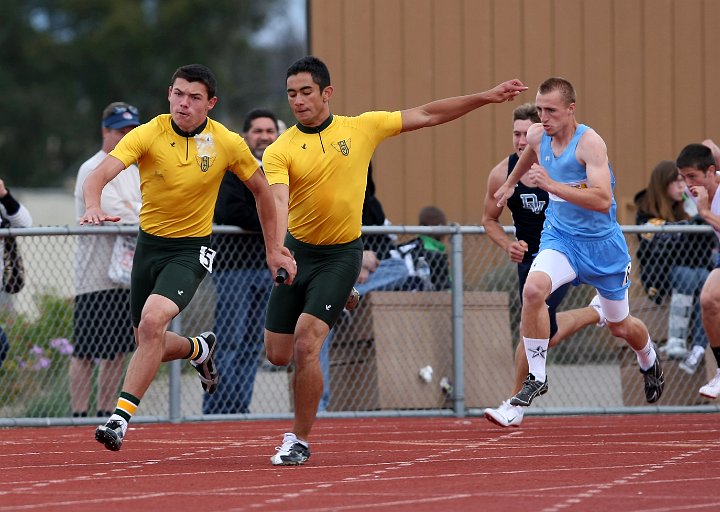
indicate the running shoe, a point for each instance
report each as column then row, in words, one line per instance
column 506, row 415
column 675, row 348
column 692, row 361
column 353, row 300
column 654, row 381
column 111, row 434
column 531, row 389
column 208, row 372
column 712, row 388
column 291, row 453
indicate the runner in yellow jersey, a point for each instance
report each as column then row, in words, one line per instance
column 317, row 171
column 182, row 157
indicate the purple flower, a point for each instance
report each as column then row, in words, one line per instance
column 37, row 350
column 62, row 345
column 41, row 364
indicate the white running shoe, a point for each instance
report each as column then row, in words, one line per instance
column 676, row 348
column 693, row 359
column 595, row 303
column 291, row 453
column 712, row 388
column 506, row 415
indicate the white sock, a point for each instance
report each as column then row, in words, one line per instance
column 646, row 356
column 203, row 351
column 536, row 352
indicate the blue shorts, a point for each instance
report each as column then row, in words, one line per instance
column 603, row 263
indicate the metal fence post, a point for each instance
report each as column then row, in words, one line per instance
column 458, row 323
column 175, row 384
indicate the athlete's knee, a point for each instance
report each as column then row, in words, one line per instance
column 307, row 350
column 278, row 348
column 626, row 328
column 152, row 327
column 535, row 292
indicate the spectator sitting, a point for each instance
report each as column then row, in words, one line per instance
column 426, row 251
column 675, row 264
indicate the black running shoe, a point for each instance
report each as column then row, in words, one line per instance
column 111, row 435
column 291, row 453
column 654, row 381
column 209, row 375
column 531, row 389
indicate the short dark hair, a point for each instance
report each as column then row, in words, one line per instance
column 257, row 113
column 317, row 69
column 557, row 83
column 698, row 156
column 526, row 111
column 197, row 73
column 432, row 216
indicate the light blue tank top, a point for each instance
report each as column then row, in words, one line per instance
column 568, row 218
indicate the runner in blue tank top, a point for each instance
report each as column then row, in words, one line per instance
column 527, row 206
column 581, row 242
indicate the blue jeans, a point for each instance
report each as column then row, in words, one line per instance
column 4, row 346
column 242, row 297
column 689, row 281
column 390, row 275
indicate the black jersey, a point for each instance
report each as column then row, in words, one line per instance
column 527, row 205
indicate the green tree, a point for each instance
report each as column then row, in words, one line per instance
column 64, row 60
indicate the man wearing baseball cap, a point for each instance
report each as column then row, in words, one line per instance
column 101, row 321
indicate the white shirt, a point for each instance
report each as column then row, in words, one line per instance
column 121, row 198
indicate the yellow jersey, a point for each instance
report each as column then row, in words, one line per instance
column 326, row 169
column 180, row 173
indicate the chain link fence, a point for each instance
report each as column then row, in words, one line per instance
column 409, row 351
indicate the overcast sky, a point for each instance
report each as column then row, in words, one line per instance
column 288, row 17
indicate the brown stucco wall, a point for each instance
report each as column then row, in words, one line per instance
column 645, row 73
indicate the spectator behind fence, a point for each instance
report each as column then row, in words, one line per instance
column 527, row 206
column 318, row 175
column 102, row 327
column 13, row 215
column 675, row 264
column 241, row 281
column 182, row 157
column 425, row 257
column 698, row 166
column 581, row 240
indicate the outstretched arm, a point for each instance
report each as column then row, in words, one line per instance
column 448, row 109
column 93, row 187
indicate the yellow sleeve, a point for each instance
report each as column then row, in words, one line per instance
column 276, row 164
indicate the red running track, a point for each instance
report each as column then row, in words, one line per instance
column 648, row 463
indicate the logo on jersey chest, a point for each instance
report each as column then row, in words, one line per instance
column 342, row 146
column 530, row 202
column 206, row 151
